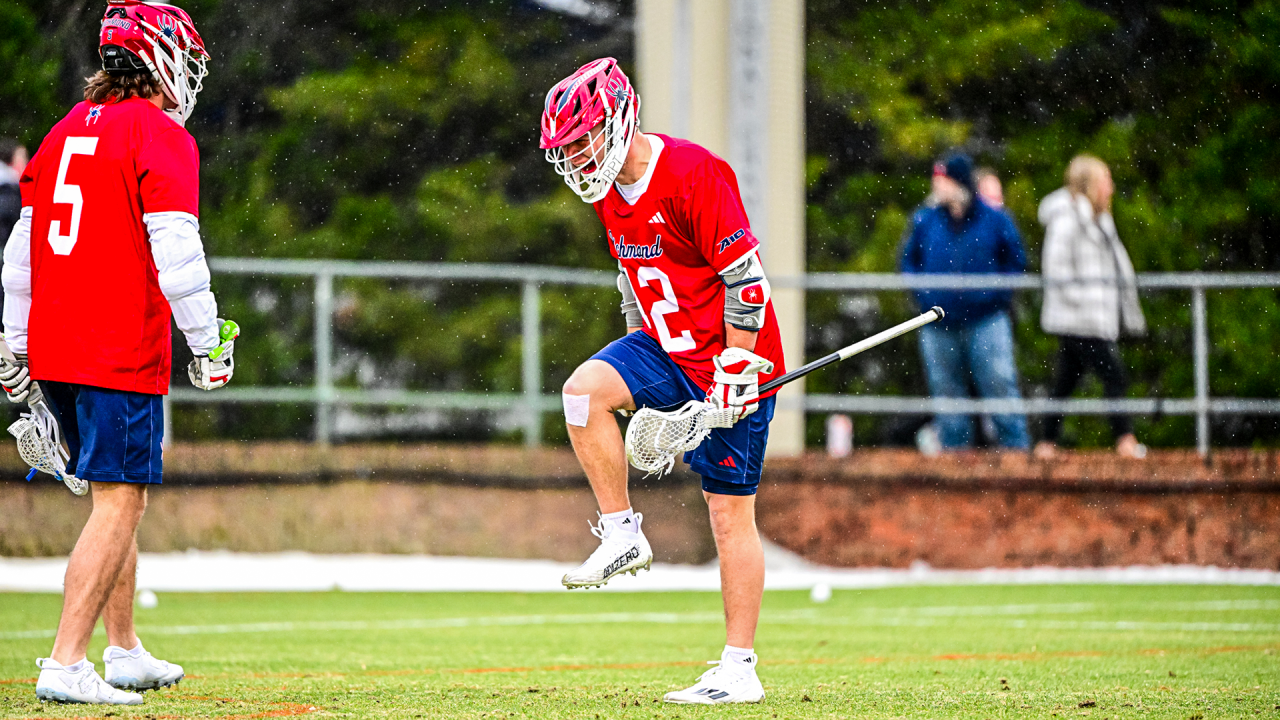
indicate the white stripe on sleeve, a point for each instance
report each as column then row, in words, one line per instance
column 16, row 278
column 184, row 276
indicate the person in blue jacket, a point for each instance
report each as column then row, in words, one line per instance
column 973, row 345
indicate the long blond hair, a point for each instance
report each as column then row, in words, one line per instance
column 1082, row 177
column 105, row 87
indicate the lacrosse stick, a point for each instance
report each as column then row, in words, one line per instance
column 39, row 438
column 655, row 438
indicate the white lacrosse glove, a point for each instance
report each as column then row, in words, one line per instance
column 15, row 378
column 212, row 371
column 736, row 386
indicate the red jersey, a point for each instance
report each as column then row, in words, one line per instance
column 98, row 316
column 686, row 228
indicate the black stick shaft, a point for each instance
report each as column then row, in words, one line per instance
column 934, row 313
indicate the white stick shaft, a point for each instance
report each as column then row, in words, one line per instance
column 891, row 333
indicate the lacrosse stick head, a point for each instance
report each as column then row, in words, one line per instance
column 37, row 451
column 655, row 438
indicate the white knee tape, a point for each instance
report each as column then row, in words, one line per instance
column 576, row 409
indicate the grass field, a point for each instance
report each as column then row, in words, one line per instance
column 973, row 652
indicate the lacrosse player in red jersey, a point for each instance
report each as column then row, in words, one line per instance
column 700, row 326
column 106, row 251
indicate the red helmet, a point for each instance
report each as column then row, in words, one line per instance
column 138, row 35
column 598, row 92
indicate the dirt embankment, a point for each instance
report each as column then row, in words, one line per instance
column 886, row 508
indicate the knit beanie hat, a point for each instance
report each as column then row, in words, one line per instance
column 958, row 167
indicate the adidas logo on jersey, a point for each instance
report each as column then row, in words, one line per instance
column 657, row 218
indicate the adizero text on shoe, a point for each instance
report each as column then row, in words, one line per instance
column 57, row 684
column 144, row 672
column 619, row 552
column 724, row 683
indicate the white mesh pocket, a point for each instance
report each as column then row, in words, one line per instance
column 655, row 438
column 39, row 446
column 31, row 446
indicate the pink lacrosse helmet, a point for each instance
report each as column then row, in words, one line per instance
column 598, row 92
column 159, row 38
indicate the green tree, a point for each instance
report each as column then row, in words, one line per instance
column 422, row 146
column 395, row 131
column 1179, row 99
column 27, row 86
column 407, row 131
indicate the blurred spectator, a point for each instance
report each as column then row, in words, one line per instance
column 13, row 160
column 1090, row 294
column 974, row 344
column 989, row 187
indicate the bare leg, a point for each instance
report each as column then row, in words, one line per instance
column 599, row 445
column 117, row 616
column 105, row 544
column 733, row 523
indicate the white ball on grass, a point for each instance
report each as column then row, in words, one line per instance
column 147, row 599
column 820, row 593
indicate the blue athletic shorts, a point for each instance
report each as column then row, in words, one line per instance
column 730, row 459
column 112, row 435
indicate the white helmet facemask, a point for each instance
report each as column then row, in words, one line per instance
column 179, row 67
column 619, row 128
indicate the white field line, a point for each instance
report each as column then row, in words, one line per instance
column 1108, row 625
column 1146, row 626
column 1212, row 605
column 1072, row 608
column 865, row 617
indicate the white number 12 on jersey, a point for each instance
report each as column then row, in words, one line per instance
column 668, row 304
column 66, row 194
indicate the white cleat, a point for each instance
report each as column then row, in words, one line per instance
column 58, row 684
column 139, row 673
column 619, row 552
column 724, row 683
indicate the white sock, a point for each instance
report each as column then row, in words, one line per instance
column 625, row 520
column 115, row 652
column 77, row 667
column 741, row 657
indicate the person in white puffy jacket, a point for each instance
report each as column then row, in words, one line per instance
column 1090, row 294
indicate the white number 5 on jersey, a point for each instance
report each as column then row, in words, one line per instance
column 668, row 304
column 66, row 194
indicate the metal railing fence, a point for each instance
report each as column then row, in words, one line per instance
column 531, row 402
